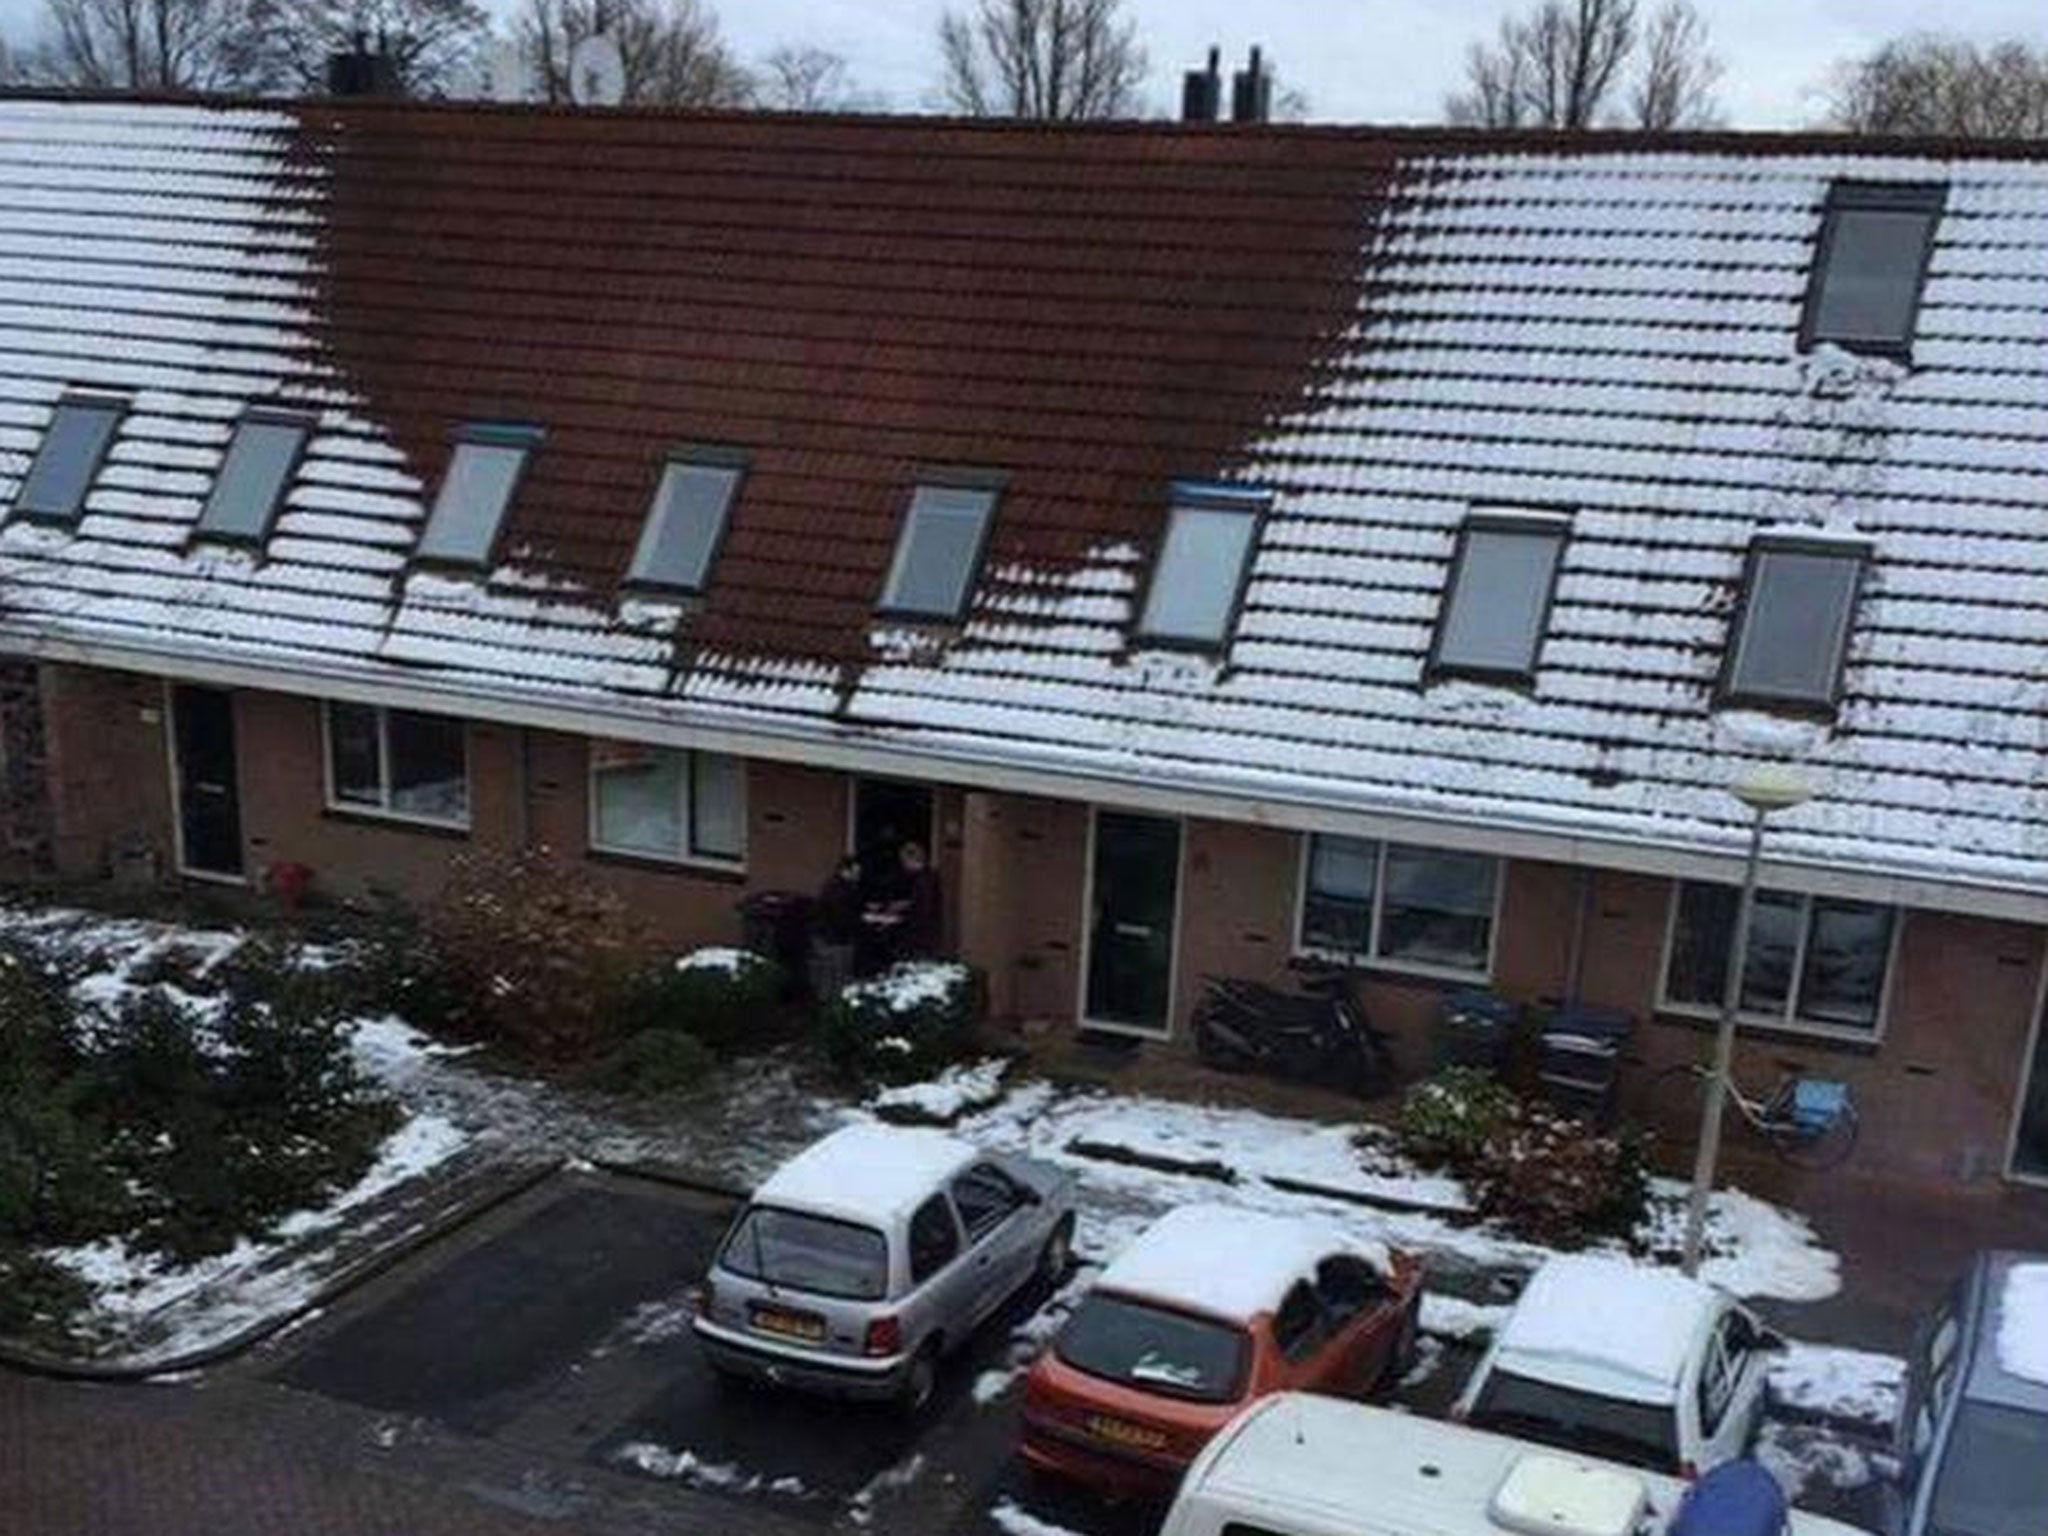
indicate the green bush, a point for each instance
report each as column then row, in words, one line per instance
column 397, row 965
column 724, row 997
column 1446, row 1120
column 656, row 1061
column 906, row 1024
column 1551, row 1180
column 37, row 1298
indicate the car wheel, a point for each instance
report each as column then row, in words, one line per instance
column 1056, row 1254
column 920, row 1381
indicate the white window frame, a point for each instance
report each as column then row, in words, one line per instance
column 1371, row 959
column 1788, row 1022
column 688, row 858
column 384, row 811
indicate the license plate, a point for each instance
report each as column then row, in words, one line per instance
column 791, row 1325
column 1118, row 1432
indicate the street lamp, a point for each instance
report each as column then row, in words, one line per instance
column 1766, row 789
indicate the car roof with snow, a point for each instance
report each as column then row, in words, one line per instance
column 1360, row 1469
column 2010, row 1364
column 1607, row 1325
column 1228, row 1262
column 867, row 1173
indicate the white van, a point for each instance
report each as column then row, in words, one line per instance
column 1297, row 1465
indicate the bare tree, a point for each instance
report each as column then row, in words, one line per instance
column 1677, row 73
column 284, row 45
column 673, row 52
column 141, row 45
column 799, row 77
column 1928, row 84
column 1588, row 64
column 9, row 70
column 1052, row 59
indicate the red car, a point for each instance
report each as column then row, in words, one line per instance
column 1209, row 1309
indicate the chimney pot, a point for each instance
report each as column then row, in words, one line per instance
column 1201, row 96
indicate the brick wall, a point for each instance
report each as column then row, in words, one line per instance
column 27, row 830
column 110, row 792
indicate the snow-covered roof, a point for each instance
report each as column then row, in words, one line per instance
column 1612, row 1326
column 873, row 1174
column 1227, row 1261
column 1387, row 329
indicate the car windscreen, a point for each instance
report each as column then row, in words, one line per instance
column 1154, row 1349
column 808, row 1253
column 1639, row 1434
column 1994, row 1475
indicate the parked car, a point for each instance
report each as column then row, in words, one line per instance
column 1298, row 1465
column 1643, row 1366
column 867, row 1257
column 1973, row 1426
column 1210, row 1308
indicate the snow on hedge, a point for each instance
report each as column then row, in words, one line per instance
column 946, row 1097
column 733, row 962
column 909, row 986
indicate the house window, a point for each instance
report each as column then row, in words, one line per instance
column 1794, row 625
column 1394, row 904
column 1498, row 600
column 1202, row 565
column 392, row 762
column 1810, row 962
column 477, row 488
column 1870, row 265
column 663, row 803
column 938, row 551
column 69, row 457
column 260, row 459
column 686, row 523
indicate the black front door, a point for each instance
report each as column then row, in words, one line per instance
column 209, row 805
column 1136, row 880
column 887, row 813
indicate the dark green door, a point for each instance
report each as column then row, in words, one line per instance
column 1130, row 933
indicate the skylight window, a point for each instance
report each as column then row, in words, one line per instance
column 1498, row 601
column 69, row 457
column 1199, row 575
column 1793, row 629
column 686, row 522
column 260, row 459
column 475, row 491
column 938, row 551
column 1871, row 264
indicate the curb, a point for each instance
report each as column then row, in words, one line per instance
column 30, row 1362
column 664, row 1173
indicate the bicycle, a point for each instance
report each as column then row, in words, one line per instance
column 1809, row 1122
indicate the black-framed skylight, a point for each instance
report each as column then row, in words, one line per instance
column 1497, row 602
column 1198, row 577
column 259, row 464
column 1791, row 633
column 1870, row 267
column 68, row 460
column 687, row 518
column 939, row 549
column 476, row 490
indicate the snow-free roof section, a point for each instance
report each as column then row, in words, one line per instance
column 1228, row 1262
column 1386, row 331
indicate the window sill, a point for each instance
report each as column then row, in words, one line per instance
column 397, row 821
column 1399, row 970
column 1750, row 1026
column 694, row 869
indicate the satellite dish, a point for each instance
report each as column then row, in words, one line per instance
column 597, row 73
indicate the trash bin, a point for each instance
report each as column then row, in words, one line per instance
column 1578, row 1061
column 1475, row 1029
column 778, row 924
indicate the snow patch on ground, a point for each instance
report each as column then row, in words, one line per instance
column 946, row 1097
column 1031, row 1336
column 1013, row 1519
column 1452, row 1317
column 688, row 1467
column 1806, row 1459
column 1847, row 1385
column 1753, row 1248
column 2023, row 1323
column 719, row 958
column 860, row 1509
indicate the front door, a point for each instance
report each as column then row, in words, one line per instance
column 1135, row 889
column 887, row 813
column 2030, row 1132
column 209, row 803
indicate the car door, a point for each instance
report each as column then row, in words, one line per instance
column 1362, row 1313
column 992, row 1208
column 939, row 1296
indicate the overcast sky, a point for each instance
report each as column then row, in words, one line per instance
column 1358, row 60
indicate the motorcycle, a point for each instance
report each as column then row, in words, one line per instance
column 1320, row 1035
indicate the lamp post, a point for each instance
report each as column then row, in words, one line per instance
column 1766, row 790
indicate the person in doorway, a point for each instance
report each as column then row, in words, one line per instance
column 836, row 931
column 918, row 938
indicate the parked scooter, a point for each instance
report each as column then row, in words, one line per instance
column 1320, row 1035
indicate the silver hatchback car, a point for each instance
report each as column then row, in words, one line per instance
column 869, row 1255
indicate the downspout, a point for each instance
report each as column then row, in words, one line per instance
column 1575, row 967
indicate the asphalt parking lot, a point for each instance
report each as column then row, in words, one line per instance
column 545, row 1364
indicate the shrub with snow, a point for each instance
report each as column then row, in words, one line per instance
column 724, row 997
column 1446, row 1120
column 905, row 1024
column 1551, row 1180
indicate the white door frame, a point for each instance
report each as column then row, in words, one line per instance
column 2026, row 1072
column 185, row 870
column 1180, row 869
